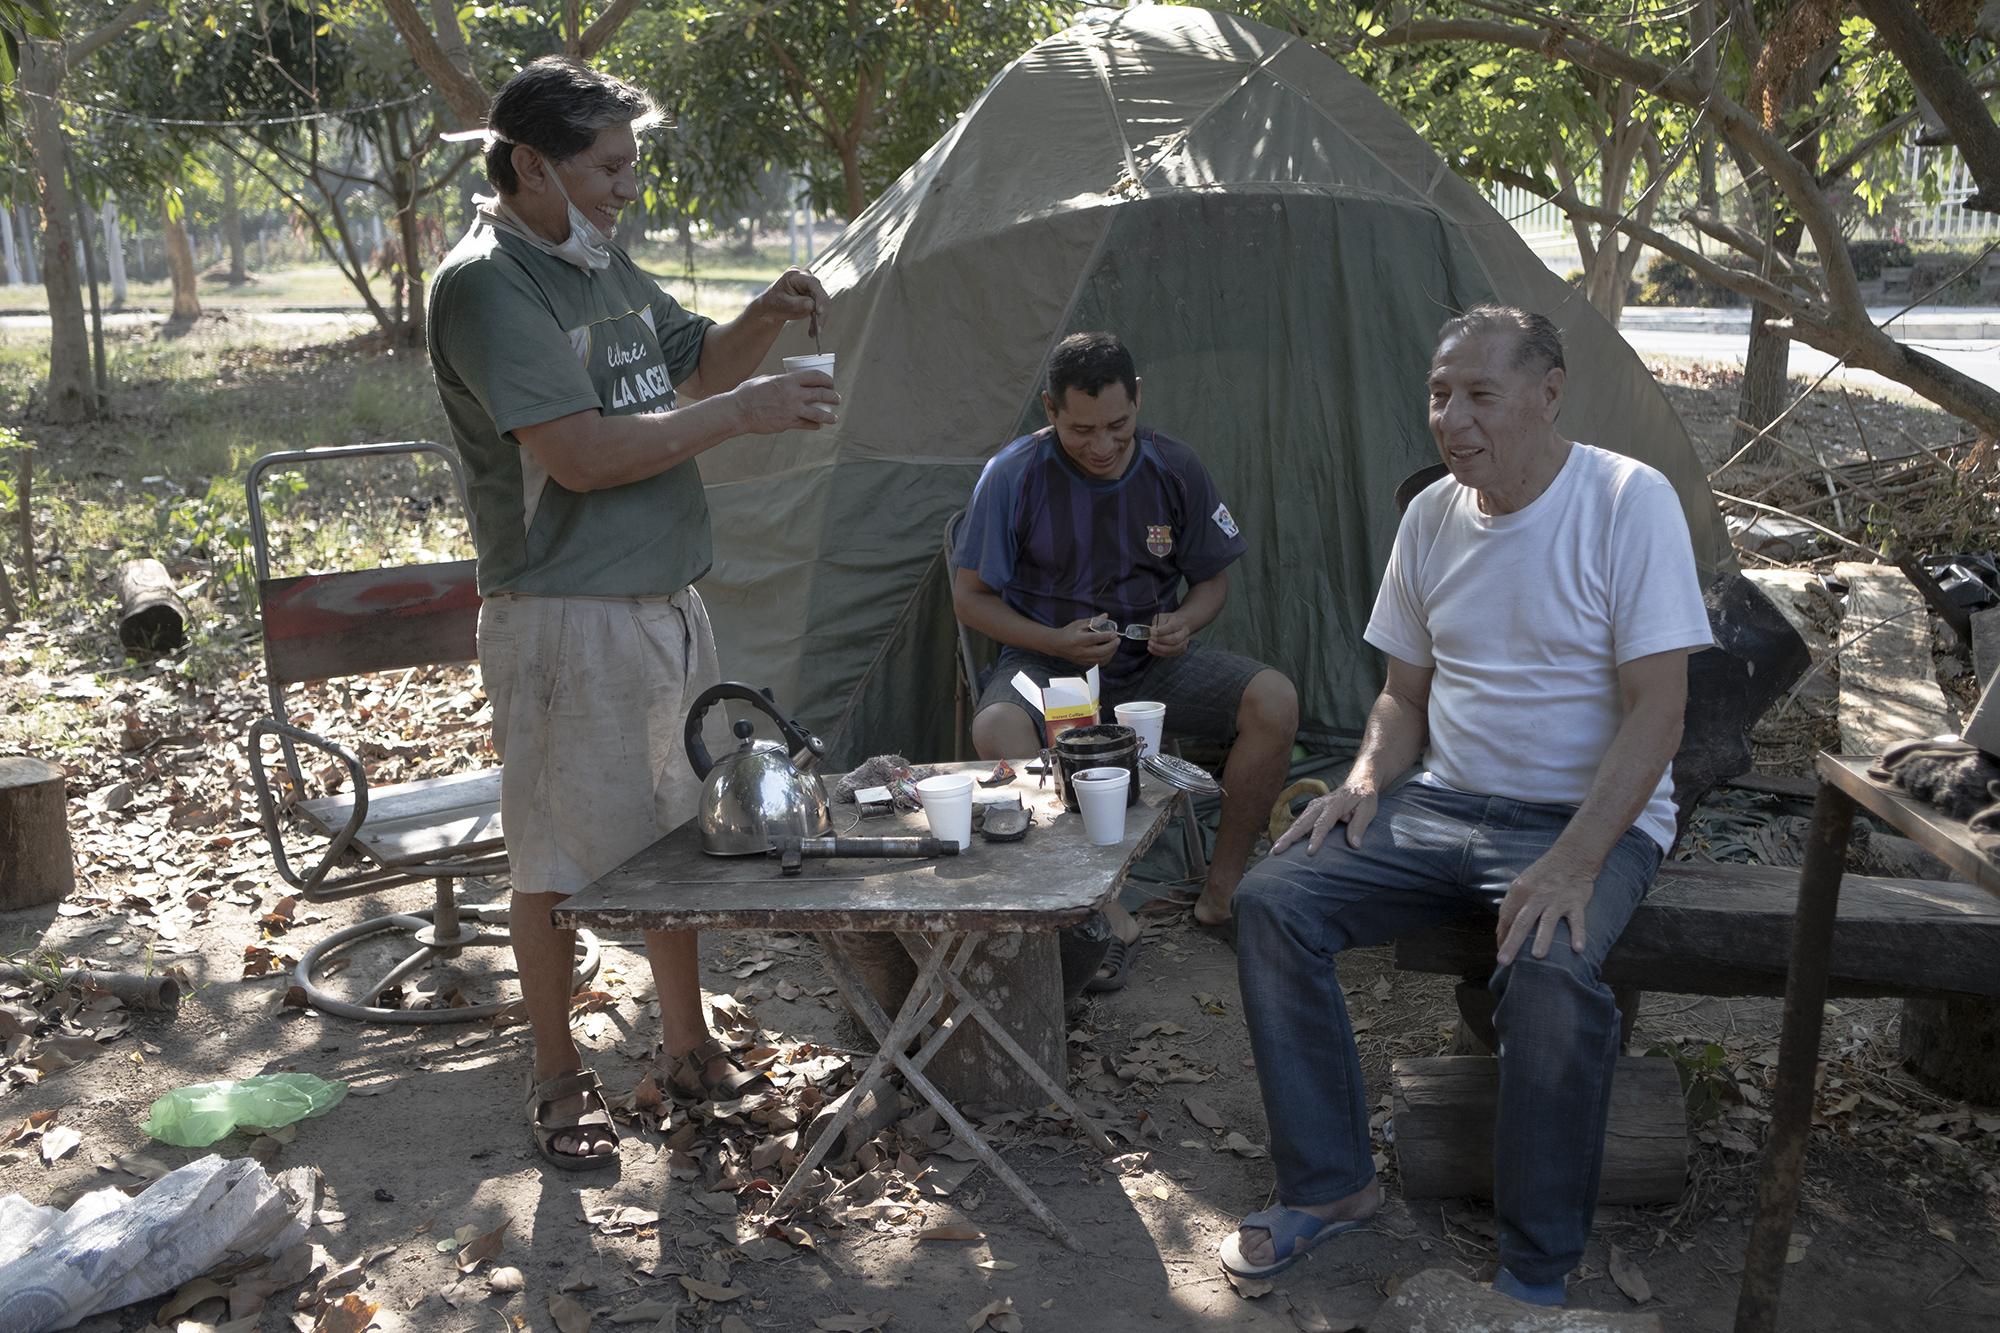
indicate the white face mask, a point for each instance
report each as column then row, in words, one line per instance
column 586, row 246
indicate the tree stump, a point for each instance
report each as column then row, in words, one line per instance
column 1952, row 1042
column 1017, row 975
column 35, row 862
column 1444, row 1108
column 151, row 615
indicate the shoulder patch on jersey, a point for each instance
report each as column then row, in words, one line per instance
column 1224, row 521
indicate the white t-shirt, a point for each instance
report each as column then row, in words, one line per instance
column 1527, row 617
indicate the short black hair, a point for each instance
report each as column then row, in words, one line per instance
column 1538, row 343
column 557, row 106
column 1089, row 361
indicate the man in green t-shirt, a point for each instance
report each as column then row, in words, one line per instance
column 579, row 395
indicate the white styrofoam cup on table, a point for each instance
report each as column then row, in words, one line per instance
column 1147, row 718
column 1100, row 795
column 947, row 802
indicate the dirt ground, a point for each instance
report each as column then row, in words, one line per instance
column 1899, row 1229
column 1897, row 1235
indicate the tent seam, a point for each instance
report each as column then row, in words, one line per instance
column 1182, row 136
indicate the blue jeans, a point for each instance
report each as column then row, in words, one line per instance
column 1431, row 853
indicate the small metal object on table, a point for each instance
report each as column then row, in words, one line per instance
column 1843, row 784
column 940, row 910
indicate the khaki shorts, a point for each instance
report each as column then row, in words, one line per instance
column 590, row 698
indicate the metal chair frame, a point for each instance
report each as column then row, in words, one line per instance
column 447, row 927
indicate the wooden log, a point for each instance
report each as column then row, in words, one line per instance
column 1952, row 1042
column 1438, row 1299
column 1727, row 930
column 146, row 994
column 35, row 862
column 151, row 615
column 1444, row 1109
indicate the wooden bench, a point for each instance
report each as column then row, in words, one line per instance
column 1894, row 284
column 328, row 626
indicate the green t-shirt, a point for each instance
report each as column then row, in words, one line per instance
column 519, row 337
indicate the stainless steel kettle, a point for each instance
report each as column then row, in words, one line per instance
column 758, row 792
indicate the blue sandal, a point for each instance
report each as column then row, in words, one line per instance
column 1292, row 1234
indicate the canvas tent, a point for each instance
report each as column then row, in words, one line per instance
column 1278, row 248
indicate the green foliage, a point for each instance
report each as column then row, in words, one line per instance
column 1706, row 1083
column 848, row 96
column 19, row 19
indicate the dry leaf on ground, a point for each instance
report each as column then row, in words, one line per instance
column 349, row 1314
column 1250, row 1288
column 852, row 1323
column 505, row 1279
column 710, row 1291
column 999, row 1316
column 59, row 1142
column 1628, row 1277
column 1311, row 1319
column 483, row 1248
column 1243, row 1147
column 952, row 1231
column 569, row 1316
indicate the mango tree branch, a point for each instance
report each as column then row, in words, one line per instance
column 1949, row 89
column 86, row 47
column 604, row 27
column 463, row 93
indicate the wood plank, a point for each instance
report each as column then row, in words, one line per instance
column 1792, row 591
column 1888, row 686
column 1444, row 1107
column 418, row 821
column 319, row 626
column 1727, row 930
column 1054, row 877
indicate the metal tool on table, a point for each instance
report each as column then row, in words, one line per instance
column 759, row 792
column 792, row 852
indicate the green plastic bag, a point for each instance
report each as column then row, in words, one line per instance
column 198, row 1115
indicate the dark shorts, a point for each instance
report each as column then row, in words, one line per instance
column 1202, row 688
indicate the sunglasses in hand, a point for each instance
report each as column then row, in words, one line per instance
column 1137, row 633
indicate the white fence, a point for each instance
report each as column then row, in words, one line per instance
column 1948, row 219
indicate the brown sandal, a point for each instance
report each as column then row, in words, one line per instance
column 574, row 1083
column 687, row 1077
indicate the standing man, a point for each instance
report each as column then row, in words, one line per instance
column 1095, row 517
column 579, row 395
column 1537, row 612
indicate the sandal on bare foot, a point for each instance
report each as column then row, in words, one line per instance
column 687, row 1077
column 546, row 1125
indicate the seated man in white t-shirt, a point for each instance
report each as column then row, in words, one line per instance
column 1537, row 613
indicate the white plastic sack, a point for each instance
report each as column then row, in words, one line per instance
column 58, row 1268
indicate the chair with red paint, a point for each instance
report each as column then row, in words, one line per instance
column 329, row 626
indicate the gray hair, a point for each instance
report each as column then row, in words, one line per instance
column 557, row 106
column 1538, row 343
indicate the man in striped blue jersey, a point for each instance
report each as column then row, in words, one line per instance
column 1096, row 521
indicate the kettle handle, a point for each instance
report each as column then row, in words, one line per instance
column 801, row 741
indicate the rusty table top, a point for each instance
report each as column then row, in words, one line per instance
column 1948, row 839
column 1054, row 877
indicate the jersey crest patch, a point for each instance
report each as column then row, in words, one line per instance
column 1160, row 539
column 1224, row 521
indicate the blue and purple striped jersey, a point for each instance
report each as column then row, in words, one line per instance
column 1059, row 546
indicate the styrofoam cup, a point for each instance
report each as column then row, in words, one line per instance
column 947, row 802
column 1146, row 718
column 817, row 361
column 1100, row 794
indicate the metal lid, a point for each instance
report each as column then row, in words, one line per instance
column 1180, row 773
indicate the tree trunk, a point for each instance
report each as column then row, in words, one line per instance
column 232, row 225
column 35, row 862
column 114, row 252
column 30, row 269
column 850, row 176
column 72, row 396
column 1767, row 362
column 12, row 256
column 411, row 333
column 180, row 263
